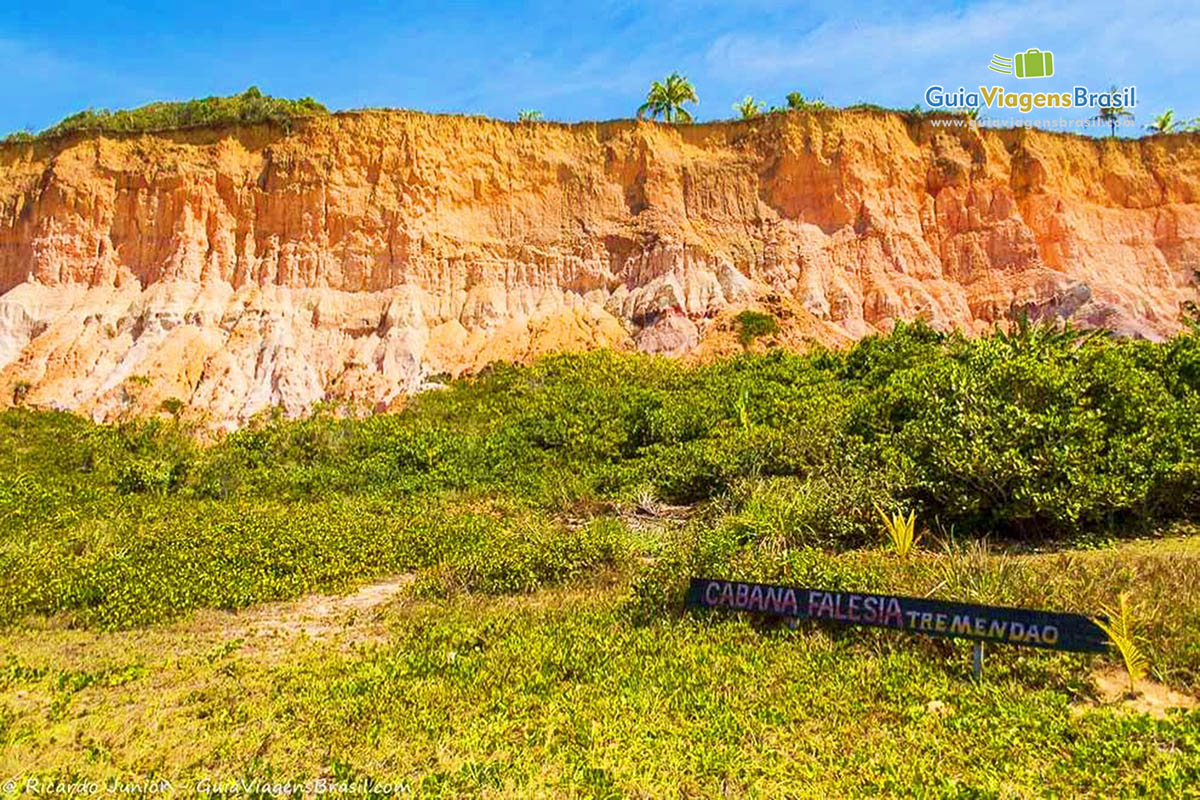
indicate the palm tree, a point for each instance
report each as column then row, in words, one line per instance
column 1113, row 114
column 666, row 99
column 1164, row 123
column 749, row 108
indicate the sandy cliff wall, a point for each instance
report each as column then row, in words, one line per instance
column 243, row 268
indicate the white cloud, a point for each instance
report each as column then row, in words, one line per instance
column 896, row 54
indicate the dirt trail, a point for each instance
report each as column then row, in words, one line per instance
column 1151, row 698
column 349, row 618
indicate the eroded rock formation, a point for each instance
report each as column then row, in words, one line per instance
column 243, row 268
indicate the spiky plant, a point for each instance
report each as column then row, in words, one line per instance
column 743, row 408
column 749, row 108
column 1121, row 628
column 901, row 531
column 970, row 572
column 1165, row 122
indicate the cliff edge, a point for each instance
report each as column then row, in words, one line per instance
column 241, row 268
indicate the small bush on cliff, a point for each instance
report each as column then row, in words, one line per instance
column 798, row 102
column 249, row 107
column 753, row 324
column 145, row 475
column 19, row 390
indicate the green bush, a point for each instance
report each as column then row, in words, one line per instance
column 249, row 107
column 528, row 556
column 145, row 475
column 753, row 324
column 825, row 511
column 1037, row 433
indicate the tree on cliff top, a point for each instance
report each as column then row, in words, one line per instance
column 666, row 99
column 749, row 108
column 1164, row 123
column 1113, row 114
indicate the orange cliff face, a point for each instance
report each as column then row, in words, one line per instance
column 242, row 268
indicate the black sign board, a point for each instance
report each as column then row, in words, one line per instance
column 999, row 624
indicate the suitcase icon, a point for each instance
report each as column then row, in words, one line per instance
column 1034, row 63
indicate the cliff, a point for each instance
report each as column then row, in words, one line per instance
column 243, row 268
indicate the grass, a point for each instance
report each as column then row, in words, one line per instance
column 517, row 479
column 146, row 563
column 540, row 524
column 560, row 693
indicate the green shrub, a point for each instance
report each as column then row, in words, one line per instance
column 145, row 475
column 1032, row 436
column 753, row 324
column 528, row 556
column 822, row 511
column 249, row 107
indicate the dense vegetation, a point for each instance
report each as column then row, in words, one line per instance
column 1031, row 436
column 249, row 107
column 552, row 515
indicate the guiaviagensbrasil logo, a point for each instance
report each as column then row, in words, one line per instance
column 1033, row 63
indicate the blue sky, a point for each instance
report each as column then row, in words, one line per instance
column 577, row 60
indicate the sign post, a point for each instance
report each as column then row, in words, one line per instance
column 1049, row 630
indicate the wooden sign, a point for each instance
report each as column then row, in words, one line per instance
column 998, row 624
